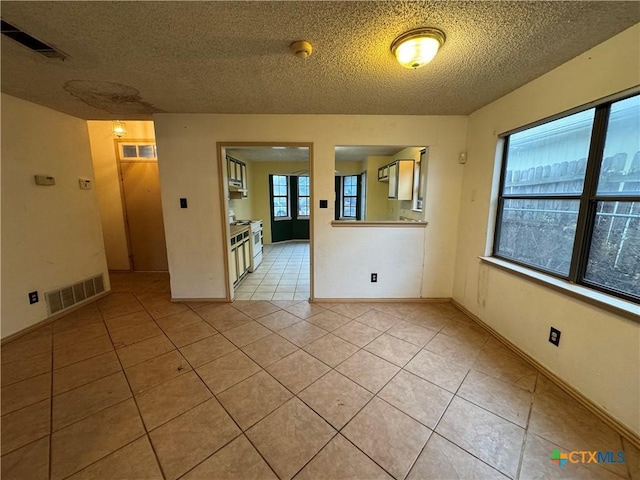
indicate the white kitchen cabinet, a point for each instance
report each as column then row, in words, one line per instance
column 399, row 175
column 240, row 255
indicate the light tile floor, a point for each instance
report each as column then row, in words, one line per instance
column 136, row 387
column 283, row 274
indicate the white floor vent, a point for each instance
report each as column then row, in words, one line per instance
column 65, row 297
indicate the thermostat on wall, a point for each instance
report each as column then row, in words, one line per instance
column 44, row 180
column 85, row 184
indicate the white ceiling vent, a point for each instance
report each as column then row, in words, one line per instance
column 66, row 297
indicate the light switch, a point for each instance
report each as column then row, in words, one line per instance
column 85, row 183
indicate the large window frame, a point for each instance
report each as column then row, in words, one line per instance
column 590, row 201
column 277, row 194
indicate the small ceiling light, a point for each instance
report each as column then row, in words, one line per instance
column 416, row 48
column 301, row 49
column 119, row 130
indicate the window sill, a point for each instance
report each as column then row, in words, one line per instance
column 366, row 223
column 599, row 299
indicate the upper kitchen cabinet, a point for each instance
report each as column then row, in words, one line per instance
column 237, row 173
column 399, row 174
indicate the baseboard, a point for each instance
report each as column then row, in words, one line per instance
column 181, row 300
column 53, row 318
column 382, row 300
column 594, row 408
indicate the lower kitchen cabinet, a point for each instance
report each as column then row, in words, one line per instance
column 240, row 255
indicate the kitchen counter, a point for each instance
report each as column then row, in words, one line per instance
column 236, row 229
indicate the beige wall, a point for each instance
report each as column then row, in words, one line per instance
column 600, row 352
column 378, row 203
column 344, row 257
column 107, row 186
column 51, row 235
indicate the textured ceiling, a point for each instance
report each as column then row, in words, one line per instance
column 131, row 59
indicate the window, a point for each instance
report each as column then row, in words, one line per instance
column 280, row 196
column 569, row 202
column 137, row 151
column 349, row 196
column 303, row 196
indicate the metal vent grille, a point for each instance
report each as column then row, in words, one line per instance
column 65, row 297
column 30, row 42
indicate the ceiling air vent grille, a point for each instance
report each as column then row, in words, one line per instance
column 65, row 297
column 30, row 42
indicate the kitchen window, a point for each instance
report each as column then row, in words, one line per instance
column 349, row 196
column 569, row 200
column 303, row 196
column 280, row 184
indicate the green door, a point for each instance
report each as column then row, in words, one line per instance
column 289, row 201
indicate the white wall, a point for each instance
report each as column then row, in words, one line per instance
column 51, row 236
column 344, row 256
column 107, row 185
column 600, row 352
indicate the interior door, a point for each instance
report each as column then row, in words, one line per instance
column 141, row 184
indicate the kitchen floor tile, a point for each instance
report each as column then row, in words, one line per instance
column 357, row 333
column 29, row 367
column 304, row 310
column 222, row 316
column 29, row 462
column 81, row 373
column 246, row 334
column 156, row 370
column 486, row 436
column 442, row 459
column 367, row 370
column 189, row 439
column 335, row 398
column 82, row 443
column 331, row 350
column 378, row 320
column 206, row 350
column 416, row 397
column 237, row 460
column 339, row 459
column 170, row 399
column 269, row 350
column 188, row 334
column 26, row 392
column 254, row 398
column 411, row 333
column 393, row 349
column 438, row 370
column 328, row 320
column 133, row 461
column 289, row 437
column 302, row 333
column 298, row 370
column 391, row 438
column 79, row 403
column 144, row 350
column 278, row 320
column 26, row 425
column 226, row 371
column 81, row 351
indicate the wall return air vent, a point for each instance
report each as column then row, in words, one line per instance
column 30, row 42
column 65, row 297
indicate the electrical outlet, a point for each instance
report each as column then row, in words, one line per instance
column 33, row 297
column 374, row 277
column 183, row 203
column 554, row 336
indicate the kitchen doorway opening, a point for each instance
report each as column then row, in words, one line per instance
column 266, row 199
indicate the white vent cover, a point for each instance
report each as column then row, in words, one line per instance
column 66, row 297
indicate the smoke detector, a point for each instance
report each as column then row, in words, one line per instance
column 301, row 49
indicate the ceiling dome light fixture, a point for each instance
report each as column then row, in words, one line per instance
column 301, row 49
column 416, row 48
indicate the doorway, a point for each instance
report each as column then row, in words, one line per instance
column 289, row 201
column 275, row 188
column 138, row 165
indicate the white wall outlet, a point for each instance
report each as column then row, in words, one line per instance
column 85, row 183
